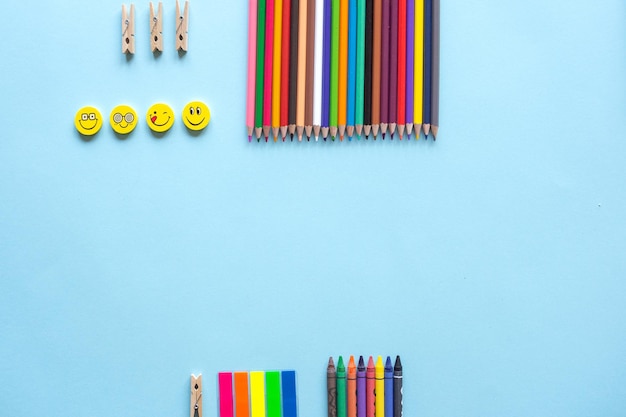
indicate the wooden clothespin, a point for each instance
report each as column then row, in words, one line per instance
column 195, row 409
column 128, row 30
column 182, row 26
column 156, row 28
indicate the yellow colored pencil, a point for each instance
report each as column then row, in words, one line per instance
column 278, row 30
column 257, row 394
column 343, row 67
column 380, row 387
column 418, row 98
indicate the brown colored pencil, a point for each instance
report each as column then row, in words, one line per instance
column 302, row 39
column 310, row 60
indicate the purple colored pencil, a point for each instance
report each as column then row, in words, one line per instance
column 393, row 68
column 410, row 64
column 361, row 389
column 384, row 71
column 326, row 69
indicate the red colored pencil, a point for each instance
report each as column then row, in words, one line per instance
column 401, row 114
column 284, row 72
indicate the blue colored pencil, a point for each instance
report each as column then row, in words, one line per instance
column 428, row 59
column 326, row 69
column 290, row 408
column 351, row 102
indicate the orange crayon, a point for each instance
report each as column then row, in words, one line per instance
column 351, row 388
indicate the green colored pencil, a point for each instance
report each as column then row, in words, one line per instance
column 272, row 392
column 360, row 66
column 260, row 70
column 334, row 69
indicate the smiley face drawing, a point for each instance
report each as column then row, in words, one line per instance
column 160, row 117
column 196, row 115
column 123, row 119
column 88, row 121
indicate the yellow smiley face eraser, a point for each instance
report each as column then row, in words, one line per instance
column 160, row 117
column 88, row 121
column 123, row 119
column 196, row 115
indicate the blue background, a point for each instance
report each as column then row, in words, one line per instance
column 492, row 260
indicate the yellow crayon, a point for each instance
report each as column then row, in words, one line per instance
column 380, row 387
column 257, row 394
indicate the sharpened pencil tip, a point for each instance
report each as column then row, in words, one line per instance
column 383, row 136
column 249, row 138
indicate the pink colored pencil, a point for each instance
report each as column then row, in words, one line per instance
column 225, row 382
column 269, row 60
column 252, row 18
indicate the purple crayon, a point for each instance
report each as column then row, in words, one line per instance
column 361, row 391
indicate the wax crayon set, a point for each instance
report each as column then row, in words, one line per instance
column 342, row 67
column 374, row 390
column 257, row 394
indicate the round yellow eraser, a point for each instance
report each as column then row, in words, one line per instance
column 196, row 115
column 160, row 117
column 123, row 119
column 88, row 121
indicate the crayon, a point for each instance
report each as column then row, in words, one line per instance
column 397, row 388
column 370, row 406
column 341, row 388
column 380, row 388
column 388, row 388
column 331, row 386
column 290, row 408
column 361, row 392
column 351, row 388
column 225, row 382
column 242, row 405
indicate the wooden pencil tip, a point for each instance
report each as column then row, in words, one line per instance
column 418, row 131
column 359, row 130
column 434, row 129
column 426, row 128
column 350, row 131
column 409, row 129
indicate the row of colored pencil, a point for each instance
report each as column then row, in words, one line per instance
column 336, row 67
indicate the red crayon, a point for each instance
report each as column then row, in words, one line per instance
column 370, row 407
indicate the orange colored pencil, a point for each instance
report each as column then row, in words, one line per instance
column 242, row 406
column 343, row 68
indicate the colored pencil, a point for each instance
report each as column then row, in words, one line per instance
column 410, row 64
column 272, row 393
column 326, row 58
column 252, row 21
column 380, row 387
column 360, row 389
column 334, row 68
column 393, row 68
column 290, row 407
column 434, row 107
column 319, row 59
column 341, row 388
column 418, row 68
column 225, row 382
column 388, row 388
column 343, row 67
column 269, row 56
column 260, row 71
column 367, row 84
column 301, row 94
column 278, row 38
column 284, row 70
column 310, row 69
column 351, row 395
column 242, row 405
column 293, row 65
column 352, row 52
column 331, row 388
column 360, row 68
column 376, row 66
column 370, row 406
column 257, row 394
column 428, row 50
column 397, row 388
column 401, row 112
column 384, row 67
